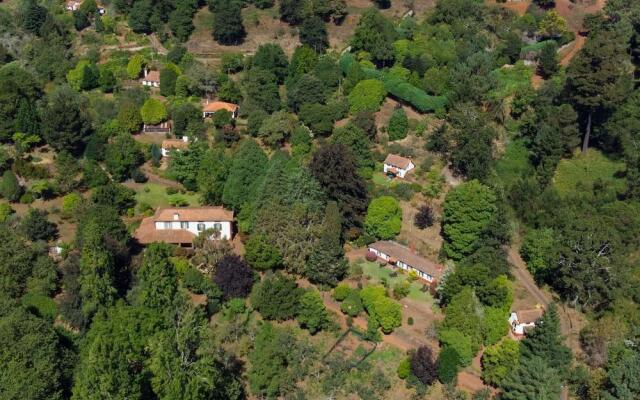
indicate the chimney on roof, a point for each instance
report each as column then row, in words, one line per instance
column 146, row 71
column 185, row 139
column 176, row 216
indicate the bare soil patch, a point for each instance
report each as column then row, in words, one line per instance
column 518, row 6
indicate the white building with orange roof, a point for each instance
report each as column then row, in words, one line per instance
column 211, row 107
column 397, row 165
column 181, row 225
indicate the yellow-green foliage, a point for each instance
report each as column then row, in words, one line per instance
column 366, row 96
column 134, row 67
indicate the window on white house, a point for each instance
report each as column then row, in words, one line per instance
column 200, row 226
column 184, row 225
column 167, row 225
column 217, row 226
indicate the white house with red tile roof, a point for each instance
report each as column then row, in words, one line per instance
column 211, row 107
column 397, row 165
column 151, row 78
column 180, row 225
column 403, row 257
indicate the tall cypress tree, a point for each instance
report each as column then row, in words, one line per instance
column 600, row 76
column 327, row 265
column 157, row 282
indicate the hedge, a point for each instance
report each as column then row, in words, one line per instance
column 535, row 47
column 398, row 87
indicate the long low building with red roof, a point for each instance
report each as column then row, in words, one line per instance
column 403, row 257
column 181, row 225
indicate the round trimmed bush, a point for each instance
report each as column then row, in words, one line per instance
column 371, row 256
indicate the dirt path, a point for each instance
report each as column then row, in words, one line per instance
column 570, row 320
column 153, row 178
column 157, row 45
column 573, row 50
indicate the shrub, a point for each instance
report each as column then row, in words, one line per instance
column 276, row 297
column 178, row 201
column 384, row 218
column 193, row 280
column 401, row 289
column 43, row 306
column 388, row 313
column 10, row 188
column 261, row 254
column 424, row 217
column 153, row 111
column 5, row 211
column 371, row 256
column 312, row 313
column 398, row 125
column 139, row 176
column 404, row 369
column 234, row 307
column 367, row 95
column 352, row 304
column 70, row 204
column 341, row 291
column 448, row 365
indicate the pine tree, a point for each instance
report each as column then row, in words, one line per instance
column 28, row 118
column 248, row 166
column 227, row 27
column 548, row 61
column 313, row 33
column 545, row 341
column 533, row 379
column 335, row 169
column 599, row 78
column 10, row 189
column 291, row 11
column 157, row 282
column 327, row 265
column 97, row 271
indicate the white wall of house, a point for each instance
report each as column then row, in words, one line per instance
column 197, row 227
column 402, row 265
column 516, row 326
column 150, row 83
column 209, row 114
column 401, row 172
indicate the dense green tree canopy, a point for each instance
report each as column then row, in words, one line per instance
column 468, row 209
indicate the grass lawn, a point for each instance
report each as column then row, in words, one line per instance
column 156, row 196
column 580, row 173
column 377, row 273
column 381, row 179
column 511, row 80
column 513, row 164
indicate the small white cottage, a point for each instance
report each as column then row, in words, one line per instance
column 174, row 144
column 151, row 78
column 523, row 320
column 397, row 166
